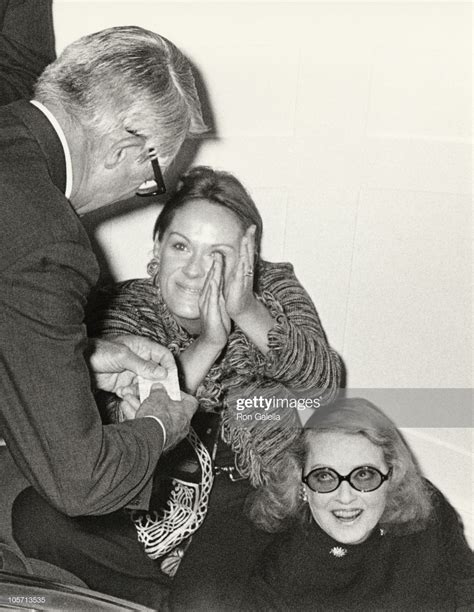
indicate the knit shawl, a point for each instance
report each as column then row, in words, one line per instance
column 299, row 359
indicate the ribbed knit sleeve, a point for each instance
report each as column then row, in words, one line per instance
column 125, row 308
column 300, row 356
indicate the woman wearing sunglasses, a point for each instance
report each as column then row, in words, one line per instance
column 363, row 530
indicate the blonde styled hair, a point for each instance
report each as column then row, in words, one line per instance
column 409, row 504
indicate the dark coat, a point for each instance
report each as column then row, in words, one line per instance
column 26, row 46
column 305, row 569
column 48, row 415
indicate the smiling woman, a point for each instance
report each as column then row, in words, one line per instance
column 338, row 505
column 200, row 236
column 362, row 529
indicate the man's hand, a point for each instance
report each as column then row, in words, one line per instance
column 116, row 362
column 175, row 416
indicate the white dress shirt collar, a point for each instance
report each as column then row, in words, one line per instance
column 67, row 153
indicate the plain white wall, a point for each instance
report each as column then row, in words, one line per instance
column 350, row 124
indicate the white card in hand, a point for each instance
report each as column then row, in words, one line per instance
column 170, row 383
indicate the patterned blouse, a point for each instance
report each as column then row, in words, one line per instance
column 299, row 362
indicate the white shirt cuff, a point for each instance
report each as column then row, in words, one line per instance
column 150, row 416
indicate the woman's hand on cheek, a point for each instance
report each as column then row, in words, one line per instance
column 215, row 322
column 238, row 292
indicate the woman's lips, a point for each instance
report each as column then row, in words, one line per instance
column 347, row 516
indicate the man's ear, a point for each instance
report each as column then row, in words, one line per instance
column 120, row 149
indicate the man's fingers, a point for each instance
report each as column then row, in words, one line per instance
column 149, row 369
column 128, row 408
column 159, row 354
column 187, row 403
column 190, row 404
column 180, row 420
column 131, row 389
column 174, row 415
column 177, row 432
column 140, row 350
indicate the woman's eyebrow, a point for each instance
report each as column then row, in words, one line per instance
column 223, row 244
column 324, row 466
column 318, row 466
column 180, row 235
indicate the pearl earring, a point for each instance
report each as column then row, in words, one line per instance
column 303, row 495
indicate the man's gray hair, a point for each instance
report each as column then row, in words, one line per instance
column 126, row 78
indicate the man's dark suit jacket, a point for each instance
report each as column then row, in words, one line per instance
column 48, row 415
column 26, row 46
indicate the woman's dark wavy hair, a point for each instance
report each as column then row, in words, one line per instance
column 218, row 187
column 409, row 504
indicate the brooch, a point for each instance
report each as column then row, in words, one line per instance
column 338, row 551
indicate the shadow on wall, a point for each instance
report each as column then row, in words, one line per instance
column 181, row 164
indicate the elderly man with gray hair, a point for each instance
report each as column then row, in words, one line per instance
column 107, row 116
